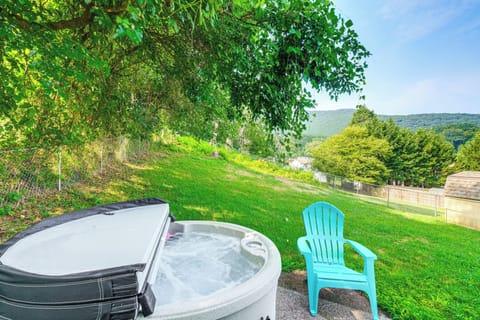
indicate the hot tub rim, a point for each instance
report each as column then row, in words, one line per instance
column 221, row 303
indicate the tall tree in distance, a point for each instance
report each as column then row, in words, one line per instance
column 433, row 154
column 458, row 134
column 363, row 116
column 354, row 154
column 400, row 162
column 468, row 157
column 419, row 158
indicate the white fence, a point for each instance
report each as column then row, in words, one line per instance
column 428, row 201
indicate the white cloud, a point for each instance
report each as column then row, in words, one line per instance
column 392, row 9
column 425, row 55
column 458, row 93
column 323, row 102
column 409, row 99
column 470, row 26
column 453, row 94
column 414, row 19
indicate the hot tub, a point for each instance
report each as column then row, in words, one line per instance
column 252, row 299
column 106, row 262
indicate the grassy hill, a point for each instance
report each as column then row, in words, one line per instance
column 426, row 269
column 327, row 123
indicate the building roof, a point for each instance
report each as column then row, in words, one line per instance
column 465, row 184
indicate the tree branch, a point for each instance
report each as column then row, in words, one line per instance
column 74, row 23
column 246, row 18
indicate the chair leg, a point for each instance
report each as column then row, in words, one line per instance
column 372, row 296
column 313, row 296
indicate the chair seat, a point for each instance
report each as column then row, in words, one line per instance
column 338, row 272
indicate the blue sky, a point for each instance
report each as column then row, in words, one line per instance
column 425, row 55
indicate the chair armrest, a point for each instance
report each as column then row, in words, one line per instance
column 361, row 249
column 303, row 247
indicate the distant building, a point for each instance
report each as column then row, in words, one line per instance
column 462, row 199
column 301, row 163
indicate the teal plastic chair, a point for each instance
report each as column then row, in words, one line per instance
column 323, row 249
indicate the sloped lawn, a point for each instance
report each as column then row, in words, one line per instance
column 426, row 268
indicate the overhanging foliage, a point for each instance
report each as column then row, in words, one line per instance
column 73, row 71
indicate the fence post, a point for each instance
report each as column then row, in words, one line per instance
column 436, row 195
column 125, row 149
column 101, row 157
column 388, row 196
column 60, row 169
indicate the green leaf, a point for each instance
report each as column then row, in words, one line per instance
column 120, row 32
column 173, row 25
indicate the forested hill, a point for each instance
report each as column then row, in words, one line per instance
column 327, row 123
column 432, row 120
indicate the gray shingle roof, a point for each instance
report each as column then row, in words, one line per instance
column 463, row 185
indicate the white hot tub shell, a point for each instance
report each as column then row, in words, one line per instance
column 253, row 299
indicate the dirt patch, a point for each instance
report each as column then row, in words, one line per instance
column 353, row 299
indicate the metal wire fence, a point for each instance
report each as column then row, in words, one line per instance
column 28, row 173
column 423, row 201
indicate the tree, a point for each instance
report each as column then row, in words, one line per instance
column 398, row 162
column 468, row 157
column 73, row 71
column 354, row 154
column 258, row 141
column 400, row 140
column 458, row 134
column 363, row 116
column 433, row 155
column 418, row 158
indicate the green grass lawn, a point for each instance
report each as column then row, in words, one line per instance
column 426, row 269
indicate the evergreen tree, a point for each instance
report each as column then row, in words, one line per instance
column 468, row 157
column 433, row 155
column 459, row 133
column 363, row 116
column 417, row 158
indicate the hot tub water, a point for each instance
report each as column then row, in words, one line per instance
column 215, row 270
column 198, row 264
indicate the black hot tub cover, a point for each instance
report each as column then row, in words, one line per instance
column 89, row 264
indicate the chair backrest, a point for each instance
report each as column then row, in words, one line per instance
column 324, row 226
